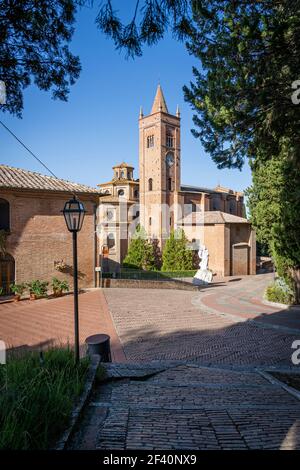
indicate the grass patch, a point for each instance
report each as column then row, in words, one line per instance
column 36, row 399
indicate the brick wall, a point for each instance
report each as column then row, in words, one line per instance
column 39, row 237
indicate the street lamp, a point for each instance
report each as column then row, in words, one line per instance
column 74, row 212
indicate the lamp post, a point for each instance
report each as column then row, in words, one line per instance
column 74, row 212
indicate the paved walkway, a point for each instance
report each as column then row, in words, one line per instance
column 46, row 322
column 188, row 407
column 226, row 323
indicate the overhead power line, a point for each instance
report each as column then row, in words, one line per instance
column 28, row 150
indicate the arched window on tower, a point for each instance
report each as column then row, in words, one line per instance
column 4, row 215
column 150, row 184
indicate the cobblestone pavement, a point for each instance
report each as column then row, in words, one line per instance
column 223, row 324
column 187, row 406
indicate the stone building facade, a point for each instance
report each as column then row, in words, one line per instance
column 211, row 217
column 38, row 245
column 37, row 239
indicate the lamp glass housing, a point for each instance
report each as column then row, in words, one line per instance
column 74, row 212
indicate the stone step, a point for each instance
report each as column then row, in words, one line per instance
column 144, row 393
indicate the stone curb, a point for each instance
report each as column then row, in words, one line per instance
column 281, row 306
column 292, row 391
column 77, row 411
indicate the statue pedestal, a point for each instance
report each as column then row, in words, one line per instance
column 202, row 277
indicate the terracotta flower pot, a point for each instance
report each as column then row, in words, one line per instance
column 17, row 297
column 32, row 296
column 57, row 293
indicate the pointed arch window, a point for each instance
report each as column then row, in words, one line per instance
column 150, row 184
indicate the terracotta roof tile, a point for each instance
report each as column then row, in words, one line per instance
column 17, row 178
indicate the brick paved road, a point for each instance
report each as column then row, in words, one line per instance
column 46, row 322
column 189, row 407
column 228, row 405
column 226, row 324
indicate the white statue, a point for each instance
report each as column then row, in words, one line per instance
column 203, row 275
column 203, row 265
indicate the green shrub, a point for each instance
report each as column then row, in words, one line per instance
column 59, row 286
column 142, row 253
column 176, row 254
column 38, row 288
column 36, row 399
column 2, row 291
column 280, row 292
column 18, row 289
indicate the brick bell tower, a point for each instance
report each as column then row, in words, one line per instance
column 159, row 162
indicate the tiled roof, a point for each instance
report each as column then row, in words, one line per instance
column 213, row 217
column 198, row 189
column 195, row 189
column 16, row 178
column 218, row 217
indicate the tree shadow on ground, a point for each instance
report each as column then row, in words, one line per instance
column 243, row 345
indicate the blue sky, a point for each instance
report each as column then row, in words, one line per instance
column 98, row 127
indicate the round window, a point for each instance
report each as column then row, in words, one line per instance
column 121, row 192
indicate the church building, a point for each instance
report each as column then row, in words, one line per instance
column 214, row 218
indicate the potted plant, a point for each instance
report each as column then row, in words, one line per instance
column 37, row 289
column 59, row 287
column 2, row 292
column 18, row 290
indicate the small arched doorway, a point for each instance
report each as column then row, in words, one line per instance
column 7, row 272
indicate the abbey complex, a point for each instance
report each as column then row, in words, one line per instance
column 35, row 241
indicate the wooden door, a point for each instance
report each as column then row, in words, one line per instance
column 7, row 272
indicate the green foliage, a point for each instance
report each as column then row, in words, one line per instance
column 151, row 20
column 2, row 291
column 33, row 48
column 250, row 56
column 36, row 399
column 38, row 288
column 59, row 286
column 242, row 97
column 176, row 255
column 274, row 201
column 18, row 289
column 280, row 292
column 142, row 253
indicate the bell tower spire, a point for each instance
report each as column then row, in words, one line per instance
column 159, row 161
column 159, row 103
